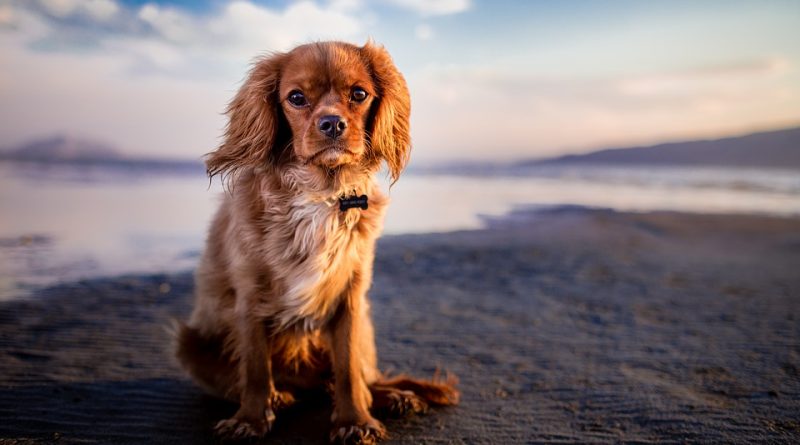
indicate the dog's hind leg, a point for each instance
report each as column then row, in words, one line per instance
column 205, row 358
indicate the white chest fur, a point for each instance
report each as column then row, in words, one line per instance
column 313, row 259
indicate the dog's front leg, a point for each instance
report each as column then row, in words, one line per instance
column 352, row 422
column 256, row 388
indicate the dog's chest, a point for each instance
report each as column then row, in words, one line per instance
column 316, row 258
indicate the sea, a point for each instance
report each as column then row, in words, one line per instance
column 63, row 223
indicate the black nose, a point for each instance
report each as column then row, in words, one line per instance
column 332, row 126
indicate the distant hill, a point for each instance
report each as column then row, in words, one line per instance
column 83, row 151
column 771, row 149
column 62, row 149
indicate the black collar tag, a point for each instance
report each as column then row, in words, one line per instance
column 353, row 202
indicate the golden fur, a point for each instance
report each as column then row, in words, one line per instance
column 281, row 289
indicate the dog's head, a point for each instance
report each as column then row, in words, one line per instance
column 324, row 105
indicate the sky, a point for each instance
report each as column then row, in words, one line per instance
column 490, row 80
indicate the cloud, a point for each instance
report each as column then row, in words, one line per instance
column 248, row 28
column 6, row 16
column 171, row 24
column 483, row 112
column 698, row 79
column 99, row 10
column 423, row 32
column 434, row 7
column 153, row 80
column 242, row 26
column 345, row 5
column 175, row 41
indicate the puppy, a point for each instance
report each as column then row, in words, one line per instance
column 281, row 289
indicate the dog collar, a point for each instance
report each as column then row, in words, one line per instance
column 351, row 202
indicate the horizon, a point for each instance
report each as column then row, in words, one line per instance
column 125, row 156
column 489, row 81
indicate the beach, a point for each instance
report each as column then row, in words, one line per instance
column 567, row 325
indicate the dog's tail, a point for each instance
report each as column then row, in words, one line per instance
column 438, row 391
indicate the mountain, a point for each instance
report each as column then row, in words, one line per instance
column 63, row 149
column 82, row 151
column 771, row 149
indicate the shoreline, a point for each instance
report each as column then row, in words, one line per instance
column 563, row 325
column 35, row 281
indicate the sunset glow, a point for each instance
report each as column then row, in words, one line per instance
column 489, row 80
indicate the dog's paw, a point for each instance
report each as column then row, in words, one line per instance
column 402, row 404
column 240, row 427
column 366, row 433
column 280, row 400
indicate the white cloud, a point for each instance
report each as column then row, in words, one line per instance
column 423, row 32
column 99, row 10
column 169, row 23
column 704, row 78
column 157, row 88
column 434, row 7
column 240, row 31
column 250, row 29
column 155, row 80
column 173, row 41
column 485, row 112
column 95, row 96
column 345, row 5
column 60, row 8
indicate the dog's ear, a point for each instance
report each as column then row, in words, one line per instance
column 254, row 120
column 389, row 126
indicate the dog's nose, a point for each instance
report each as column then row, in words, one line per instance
column 332, row 126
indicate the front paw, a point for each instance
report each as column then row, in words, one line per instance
column 362, row 433
column 240, row 427
column 280, row 400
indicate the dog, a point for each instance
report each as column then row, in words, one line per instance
column 281, row 289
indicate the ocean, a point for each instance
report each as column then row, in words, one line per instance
column 63, row 223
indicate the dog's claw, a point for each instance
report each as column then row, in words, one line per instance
column 280, row 400
column 365, row 434
column 404, row 403
column 397, row 403
column 238, row 428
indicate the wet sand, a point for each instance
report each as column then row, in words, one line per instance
column 564, row 326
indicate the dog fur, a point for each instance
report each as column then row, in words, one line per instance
column 281, row 289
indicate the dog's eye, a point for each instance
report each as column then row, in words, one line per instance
column 297, row 99
column 358, row 95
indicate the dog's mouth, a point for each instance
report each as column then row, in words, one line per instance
column 330, row 153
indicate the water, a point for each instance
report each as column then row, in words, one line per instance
column 65, row 223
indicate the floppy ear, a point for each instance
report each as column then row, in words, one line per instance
column 254, row 118
column 389, row 127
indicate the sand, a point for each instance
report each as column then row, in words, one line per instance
column 564, row 326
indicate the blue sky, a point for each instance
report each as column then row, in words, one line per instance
column 489, row 79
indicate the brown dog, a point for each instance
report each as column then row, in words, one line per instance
column 281, row 290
